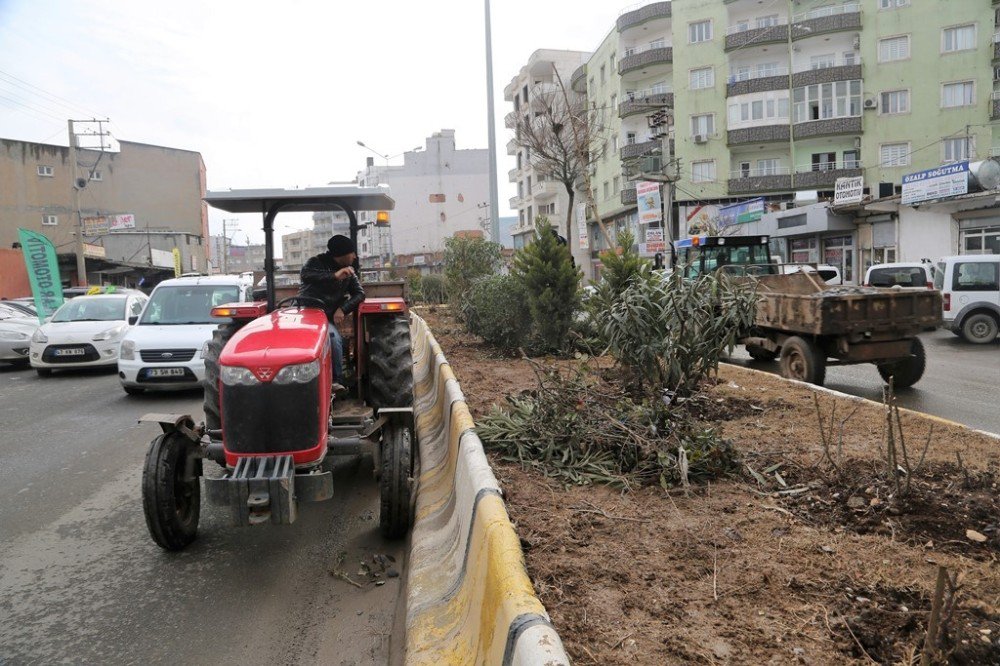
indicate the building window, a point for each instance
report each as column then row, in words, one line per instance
column 852, row 159
column 962, row 148
column 824, row 161
column 703, row 77
column 659, row 88
column 658, row 43
column 892, row 4
column 703, row 124
column 703, row 172
column 629, row 138
column 895, row 101
column 44, row 171
column 894, row 48
column 614, row 144
column 616, row 184
column 823, row 61
column 767, row 167
column 894, row 154
column 50, row 220
column 981, row 241
column 604, row 74
column 607, row 190
column 611, row 62
column 828, row 100
column 767, row 21
column 959, row 38
column 700, row 31
column 614, row 102
column 766, row 109
column 962, row 93
column 527, row 185
column 96, row 175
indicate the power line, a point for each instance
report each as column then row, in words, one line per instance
column 61, row 101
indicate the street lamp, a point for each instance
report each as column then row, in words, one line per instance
column 386, row 157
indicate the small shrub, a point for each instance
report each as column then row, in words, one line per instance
column 620, row 269
column 433, row 289
column 494, row 310
column 467, row 260
column 551, row 284
column 413, row 284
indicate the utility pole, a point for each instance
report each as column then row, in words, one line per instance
column 494, row 196
column 225, row 245
column 81, row 262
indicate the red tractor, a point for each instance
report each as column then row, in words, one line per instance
column 271, row 419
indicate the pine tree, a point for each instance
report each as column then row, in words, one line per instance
column 545, row 268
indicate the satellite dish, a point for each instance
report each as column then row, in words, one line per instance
column 81, row 183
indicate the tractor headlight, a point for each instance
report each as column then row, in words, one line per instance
column 234, row 376
column 39, row 336
column 127, row 352
column 298, row 374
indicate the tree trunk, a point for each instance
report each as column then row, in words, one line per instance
column 569, row 216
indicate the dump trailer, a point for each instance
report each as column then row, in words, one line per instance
column 809, row 325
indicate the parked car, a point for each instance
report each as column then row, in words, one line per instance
column 970, row 286
column 906, row 275
column 830, row 274
column 26, row 308
column 164, row 349
column 85, row 332
column 16, row 329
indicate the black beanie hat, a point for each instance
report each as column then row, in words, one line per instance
column 340, row 245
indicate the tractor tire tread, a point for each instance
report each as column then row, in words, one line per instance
column 908, row 371
column 395, row 481
column 390, row 363
column 159, row 501
column 212, row 398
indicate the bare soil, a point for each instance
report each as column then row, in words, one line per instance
column 813, row 557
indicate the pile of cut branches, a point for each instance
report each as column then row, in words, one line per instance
column 582, row 428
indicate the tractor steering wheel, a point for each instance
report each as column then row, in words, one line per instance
column 301, row 301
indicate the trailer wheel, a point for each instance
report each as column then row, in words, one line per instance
column 907, row 371
column 980, row 328
column 758, row 353
column 802, row 360
column 390, row 362
column 395, row 480
column 171, row 494
column 213, row 349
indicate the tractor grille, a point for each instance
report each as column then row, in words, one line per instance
column 271, row 418
column 167, row 355
column 89, row 354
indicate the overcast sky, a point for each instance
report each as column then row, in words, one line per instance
column 276, row 93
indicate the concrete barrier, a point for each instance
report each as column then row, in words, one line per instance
column 469, row 599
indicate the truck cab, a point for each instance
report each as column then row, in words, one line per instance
column 738, row 255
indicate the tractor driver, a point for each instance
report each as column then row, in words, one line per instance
column 330, row 278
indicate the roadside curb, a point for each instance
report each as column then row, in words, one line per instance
column 468, row 596
column 854, row 398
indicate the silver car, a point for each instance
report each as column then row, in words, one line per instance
column 16, row 329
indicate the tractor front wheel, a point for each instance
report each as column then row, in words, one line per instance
column 213, row 349
column 395, row 480
column 171, row 493
column 390, row 362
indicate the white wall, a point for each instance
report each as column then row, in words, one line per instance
column 926, row 235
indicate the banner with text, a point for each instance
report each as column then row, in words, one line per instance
column 43, row 272
column 848, row 190
column 581, row 226
column 946, row 181
column 647, row 198
column 741, row 213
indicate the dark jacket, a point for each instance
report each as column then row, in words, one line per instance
column 318, row 281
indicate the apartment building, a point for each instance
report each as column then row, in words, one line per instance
column 743, row 99
column 537, row 82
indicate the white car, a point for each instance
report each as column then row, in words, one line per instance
column 830, row 274
column 16, row 329
column 164, row 349
column 904, row 275
column 85, row 332
column 970, row 289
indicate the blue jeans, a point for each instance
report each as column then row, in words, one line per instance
column 337, row 348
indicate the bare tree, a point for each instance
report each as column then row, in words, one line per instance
column 563, row 139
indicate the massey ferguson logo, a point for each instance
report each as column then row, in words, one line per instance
column 263, row 374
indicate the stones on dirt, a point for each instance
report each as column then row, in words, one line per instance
column 973, row 535
column 856, row 502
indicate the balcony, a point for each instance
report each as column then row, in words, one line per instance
column 628, row 196
column 995, row 106
column 510, row 120
column 744, row 83
column 841, row 70
column 640, row 58
column 514, row 174
column 738, row 36
column 543, row 90
column 750, row 181
column 634, row 16
column 512, row 147
column 578, row 81
column 759, row 134
column 996, row 45
column 546, row 189
column 516, row 202
column 644, row 101
column 826, row 19
column 815, row 176
column 639, row 149
column 827, row 127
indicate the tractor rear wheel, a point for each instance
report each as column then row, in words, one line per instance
column 803, row 360
column 171, row 493
column 213, row 349
column 395, row 480
column 759, row 353
column 390, row 363
column 907, row 371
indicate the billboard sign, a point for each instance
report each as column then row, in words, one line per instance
column 946, row 181
column 741, row 213
column 120, row 222
column 581, row 226
column 647, row 197
column 848, row 190
column 43, row 272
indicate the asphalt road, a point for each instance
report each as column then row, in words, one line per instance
column 961, row 382
column 81, row 581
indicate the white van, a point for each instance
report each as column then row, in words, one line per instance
column 163, row 350
column 970, row 288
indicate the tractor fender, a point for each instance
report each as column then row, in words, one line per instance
column 181, row 423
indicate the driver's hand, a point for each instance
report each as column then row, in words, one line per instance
column 338, row 316
column 344, row 273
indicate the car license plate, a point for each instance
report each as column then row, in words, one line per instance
column 165, row 372
column 76, row 351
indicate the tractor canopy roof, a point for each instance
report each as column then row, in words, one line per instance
column 310, row 199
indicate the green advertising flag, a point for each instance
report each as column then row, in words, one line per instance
column 43, row 271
